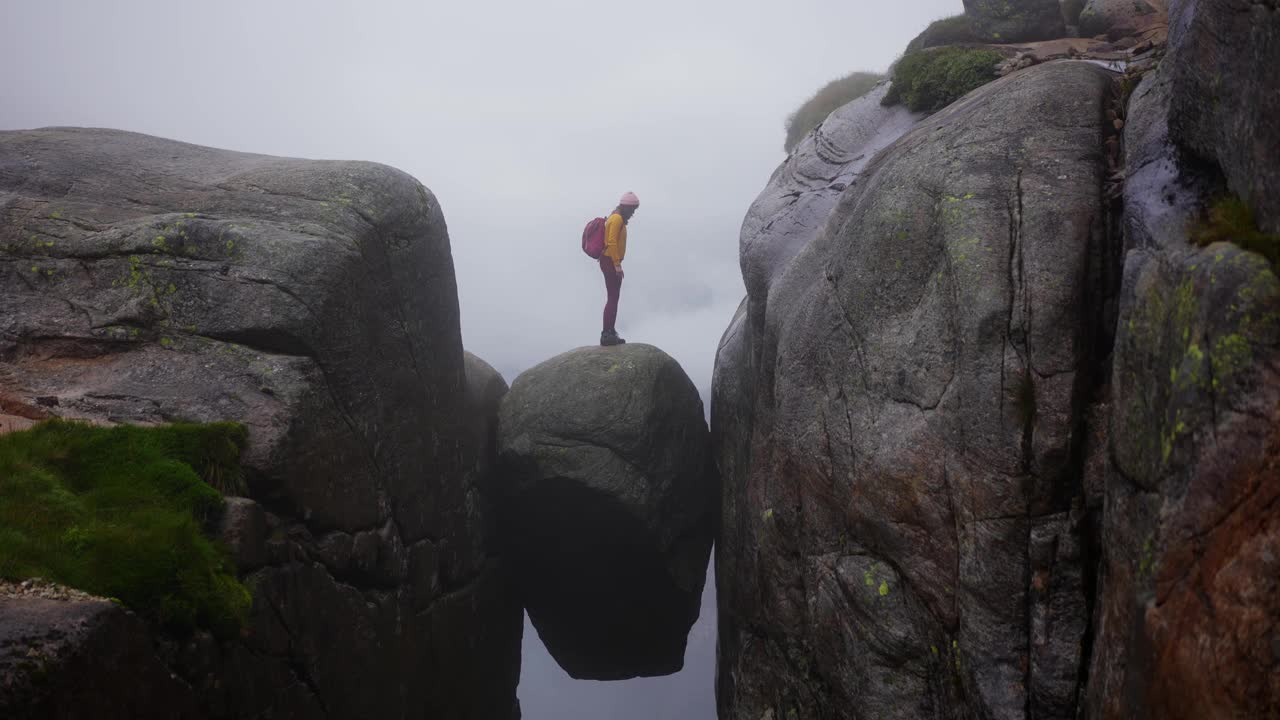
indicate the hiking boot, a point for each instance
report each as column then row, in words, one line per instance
column 609, row 337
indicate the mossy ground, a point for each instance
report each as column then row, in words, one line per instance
column 1229, row 219
column 827, row 100
column 122, row 512
column 929, row 80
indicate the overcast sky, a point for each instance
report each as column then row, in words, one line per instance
column 526, row 119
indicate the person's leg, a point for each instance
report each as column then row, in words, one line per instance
column 617, row 300
column 612, row 287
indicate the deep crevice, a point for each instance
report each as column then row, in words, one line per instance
column 1100, row 307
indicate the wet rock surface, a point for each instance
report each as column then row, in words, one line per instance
column 608, row 507
column 1122, row 18
column 503, row 617
column 243, row 530
column 896, row 534
column 64, row 655
column 1222, row 62
column 145, row 281
column 1189, row 601
column 1004, row 21
column 791, row 210
column 1045, row 487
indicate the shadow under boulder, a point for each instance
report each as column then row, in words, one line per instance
column 608, row 507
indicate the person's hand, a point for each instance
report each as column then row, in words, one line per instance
column 621, row 274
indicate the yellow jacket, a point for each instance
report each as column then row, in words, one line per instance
column 615, row 239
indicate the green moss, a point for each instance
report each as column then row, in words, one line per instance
column 875, row 585
column 1146, row 559
column 929, row 80
column 121, row 512
column 1186, row 309
column 1170, row 437
column 831, row 97
column 140, row 278
column 1231, row 354
column 1229, row 219
column 135, row 275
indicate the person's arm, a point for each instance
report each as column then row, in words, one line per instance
column 612, row 240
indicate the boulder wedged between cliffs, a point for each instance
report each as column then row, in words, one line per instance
column 607, row 507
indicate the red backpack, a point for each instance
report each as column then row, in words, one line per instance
column 593, row 238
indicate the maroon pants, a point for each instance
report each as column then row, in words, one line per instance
column 612, row 288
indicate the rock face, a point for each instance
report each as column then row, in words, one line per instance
column 243, row 528
column 98, row 657
column 799, row 197
column 1071, row 10
column 143, row 280
column 608, row 507
column 898, row 419
column 1189, row 587
column 498, row 644
column 1191, row 596
column 993, row 448
column 485, row 390
column 1121, row 18
column 1006, row 21
column 1226, row 94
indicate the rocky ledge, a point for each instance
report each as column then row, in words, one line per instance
column 147, row 281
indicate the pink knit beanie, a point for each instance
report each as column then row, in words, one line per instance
column 630, row 200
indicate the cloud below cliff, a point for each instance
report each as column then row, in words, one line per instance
column 525, row 119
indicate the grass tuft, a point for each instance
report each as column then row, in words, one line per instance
column 122, row 512
column 1229, row 219
column 929, row 80
column 830, row 98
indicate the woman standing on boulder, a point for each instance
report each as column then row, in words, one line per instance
column 615, row 248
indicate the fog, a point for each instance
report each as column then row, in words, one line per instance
column 525, row 120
